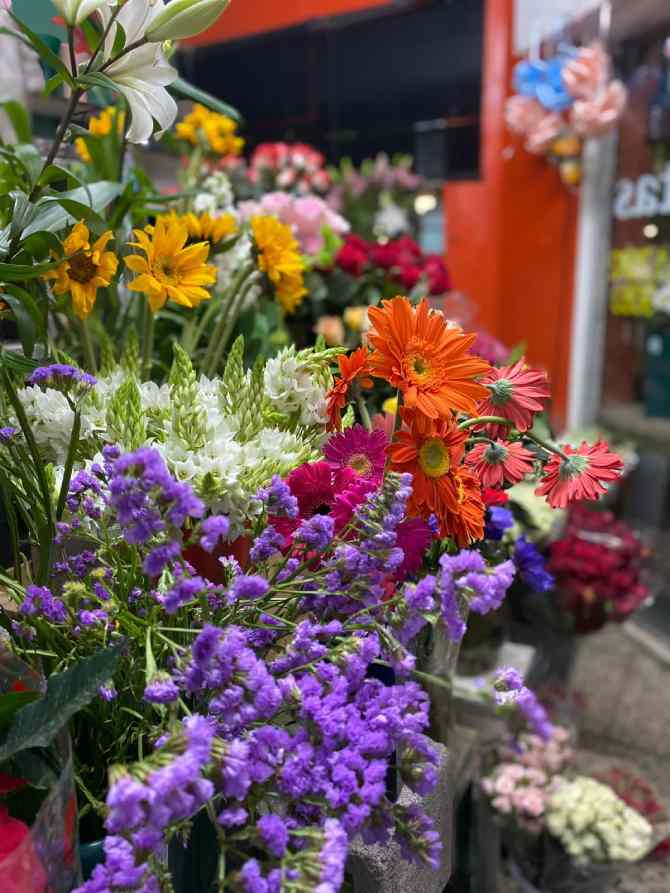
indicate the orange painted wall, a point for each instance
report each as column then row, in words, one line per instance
column 511, row 235
column 246, row 17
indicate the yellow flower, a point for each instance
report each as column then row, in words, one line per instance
column 170, row 269
column 216, row 132
column 101, row 127
column 356, row 317
column 204, row 227
column 390, row 405
column 82, row 150
column 279, row 258
column 86, row 269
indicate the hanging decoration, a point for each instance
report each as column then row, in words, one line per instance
column 562, row 101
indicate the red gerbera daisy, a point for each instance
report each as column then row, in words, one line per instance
column 499, row 462
column 494, row 497
column 358, row 449
column 516, row 393
column 441, row 486
column 353, row 367
column 580, row 475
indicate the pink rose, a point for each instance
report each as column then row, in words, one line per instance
column 502, row 804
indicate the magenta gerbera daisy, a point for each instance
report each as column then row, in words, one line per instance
column 362, row 451
column 579, row 474
column 413, row 535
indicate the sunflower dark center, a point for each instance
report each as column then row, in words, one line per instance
column 81, row 268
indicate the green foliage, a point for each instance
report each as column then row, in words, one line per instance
column 233, row 379
column 185, row 90
column 37, row 724
column 130, row 358
column 107, row 353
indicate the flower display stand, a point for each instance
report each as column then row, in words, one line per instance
column 382, row 868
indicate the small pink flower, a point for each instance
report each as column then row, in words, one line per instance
column 505, row 785
column 502, row 804
column 598, row 115
column 533, row 802
column 523, row 114
column 588, row 72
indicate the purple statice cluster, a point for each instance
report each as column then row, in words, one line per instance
column 315, row 533
column 418, row 602
column 510, row 690
column 62, row 377
column 146, row 498
column 268, row 543
column 530, row 565
column 40, row 602
column 7, row 435
column 233, row 682
column 142, row 807
column 464, row 580
column 278, row 499
column 310, row 642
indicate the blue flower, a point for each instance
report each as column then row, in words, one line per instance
column 530, row 564
column 543, row 80
column 498, row 520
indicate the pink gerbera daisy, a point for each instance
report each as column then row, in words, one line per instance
column 580, row 474
column 362, row 451
column 516, row 393
column 500, row 461
column 413, row 535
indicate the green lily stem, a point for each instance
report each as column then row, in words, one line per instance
column 58, row 139
column 87, row 346
column 484, row 420
column 147, row 342
column 70, row 46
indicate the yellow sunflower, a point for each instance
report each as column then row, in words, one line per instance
column 170, row 269
column 214, row 131
column 86, row 268
column 101, row 126
column 279, row 258
column 204, row 227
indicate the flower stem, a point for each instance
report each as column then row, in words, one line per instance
column 484, row 420
column 87, row 346
column 69, row 464
column 58, row 139
column 227, row 320
column 70, row 45
column 545, row 444
column 365, row 415
column 147, row 342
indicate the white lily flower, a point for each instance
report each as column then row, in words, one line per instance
column 76, row 11
column 185, row 18
column 142, row 74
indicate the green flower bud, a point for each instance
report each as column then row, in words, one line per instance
column 184, row 18
column 76, row 11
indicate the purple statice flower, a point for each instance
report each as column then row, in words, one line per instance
column 467, row 576
column 212, row 530
column 419, row 600
column 7, row 435
column 234, row 768
column 93, row 618
column 530, row 565
column 101, row 591
column 498, row 520
column 278, row 498
column 120, row 871
column 23, row 631
column 273, row 831
column 146, row 498
column 184, row 590
column 161, row 690
column 63, row 529
column 305, row 646
column 232, row 817
column 288, row 570
column 450, row 610
column 419, row 763
column 158, row 559
column 333, row 855
column 316, row 532
column 62, row 377
column 251, row 877
column 248, row 587
column 108, row 692
column 507, row 679
column 40, row 601
column 238, row 684
column 509, row 690
column 266, row 544
column 416, row 835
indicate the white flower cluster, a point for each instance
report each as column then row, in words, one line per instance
column 595, row 825
column 293, row 390
column 237, row 451
column 216, row 196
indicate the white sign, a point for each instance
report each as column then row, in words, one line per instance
column 648, row 196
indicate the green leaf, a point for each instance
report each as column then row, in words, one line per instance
column 516, row 353
column 52, row 216
column 17, row 362
column 79, row 211
column 52, row 84
column 183, row 88
column 25, row 321
column 19, row 272
column 98, row 79
column 45, row 53
column 18, row 115
column 37, row 724
column 11, row 703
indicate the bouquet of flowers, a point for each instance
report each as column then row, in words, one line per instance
column 377, row 197
column 561, row 101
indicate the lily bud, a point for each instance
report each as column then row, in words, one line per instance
column 184, row 18
column 76, row 11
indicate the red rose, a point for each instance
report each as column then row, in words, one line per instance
column 384, row 256
column 494, row 497
column 438, row 275
column 409, row 275
column 352, row 257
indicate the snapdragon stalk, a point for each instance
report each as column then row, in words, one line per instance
column 228, row 318
column 147, row 342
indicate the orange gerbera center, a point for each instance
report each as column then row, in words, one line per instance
column 434, row 458
column 360, row 464
column 419, row 363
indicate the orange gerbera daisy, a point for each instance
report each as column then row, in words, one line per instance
column 441, row 485
column 417, row 352
column 353, row 367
